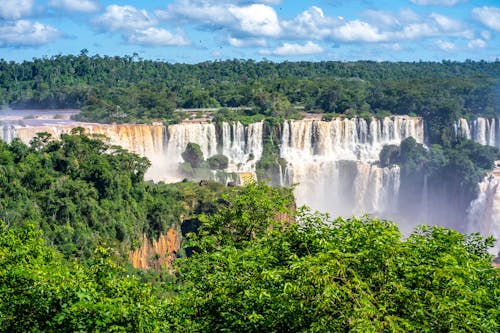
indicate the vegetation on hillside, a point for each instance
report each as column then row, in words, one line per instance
column 72, row 209
column 259, row 265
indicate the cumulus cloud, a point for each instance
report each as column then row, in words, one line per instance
column 198, row 12
column 15, row 9
column 446, row 23
column 291, row 49
column 377, row 27
column 476, row 44
column 137, row 26
column 489, row 16
column 157, row 37
column 380, row 18
column 124, row 18
column 358, row 31
column 236, row 17
column 445, row 46
column 311, row 23
column 447, row 3
column 84, row 6
column 257, row 20
column 27, row 33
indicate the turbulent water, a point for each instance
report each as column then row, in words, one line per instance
column 333, row 163
column 484, row 212
column 162, row 145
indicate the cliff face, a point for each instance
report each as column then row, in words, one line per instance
column 157, row 254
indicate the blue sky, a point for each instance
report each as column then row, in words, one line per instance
column 191, row 31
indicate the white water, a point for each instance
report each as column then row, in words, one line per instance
column 484, row 212
column 333, row 162
column 481, row 130
column 162, row 145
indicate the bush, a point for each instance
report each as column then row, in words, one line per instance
column 218, row 162
column 193, row 155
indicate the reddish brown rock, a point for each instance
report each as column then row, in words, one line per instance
column 158, row 254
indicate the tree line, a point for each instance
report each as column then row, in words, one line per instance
column 131, row 89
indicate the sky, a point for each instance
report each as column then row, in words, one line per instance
column 192, row 31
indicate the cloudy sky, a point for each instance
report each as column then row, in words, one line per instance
column 198, row 30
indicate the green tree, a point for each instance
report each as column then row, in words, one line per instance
column 337, row 275
column 218, row 162
column 193, row 155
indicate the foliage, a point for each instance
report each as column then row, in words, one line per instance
column 218, row 162
column 339, row 275
column 258, row 265
column 84, row 193
column 130, row 89
column 42, row 292
column 193, row 155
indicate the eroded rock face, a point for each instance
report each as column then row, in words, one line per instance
column 158, row 254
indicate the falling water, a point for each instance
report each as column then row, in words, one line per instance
column 482, row 130
column 334, row 162
column 484, row 212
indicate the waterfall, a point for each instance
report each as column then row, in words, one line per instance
column 485, row 131
column 483, row 214
column 334, row 162
column 243, row 146
column 162, row 145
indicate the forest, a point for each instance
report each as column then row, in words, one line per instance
column 131, row 89
column 74, row 208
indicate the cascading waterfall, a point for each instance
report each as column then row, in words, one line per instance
column 485, row 131
column 333, row 162
column 243, row 146
column 162, row 145
column 483, row 214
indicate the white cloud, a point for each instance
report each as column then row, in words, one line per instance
column 476, row 44
column 15, row 9
column 446, row 23
column 156, row 37
column 124, row 18
column 358, row 31
column 447, row 3
column 84, row 6
column 381, row 18
column 378, row 27
column 253, row 20
column 197, row 12
column 290, row 49
column 246, row 42
column 27, row 33
column 445, row 46
column 489, row 16
column 257, row 20
column 311, row 23
column 408, row 15
column 137, row 26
